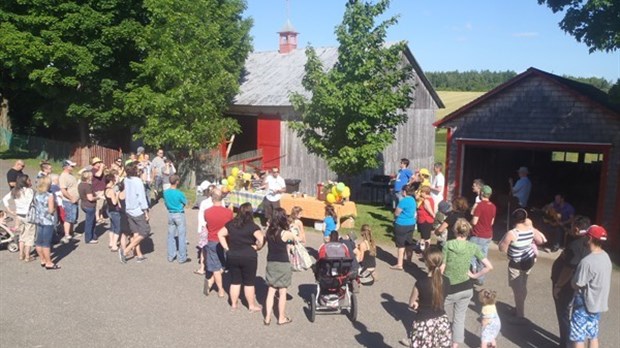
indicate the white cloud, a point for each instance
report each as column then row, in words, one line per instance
column 525, row 34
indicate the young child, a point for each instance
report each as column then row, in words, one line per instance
column 366, row 256
column 297, row 227
column 490, row 323
column 330, row 222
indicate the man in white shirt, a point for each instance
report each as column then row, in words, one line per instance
column 437, row 184
column 275, row 186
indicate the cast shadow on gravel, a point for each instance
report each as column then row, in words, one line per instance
column 526, row 334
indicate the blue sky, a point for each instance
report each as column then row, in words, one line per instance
column 449, row 34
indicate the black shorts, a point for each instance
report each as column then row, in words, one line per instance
column 425, row 229
column 139, row 225
column 242, row 270
column 403, row 235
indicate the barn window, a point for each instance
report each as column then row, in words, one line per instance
column 561, row 156
column 593, row 157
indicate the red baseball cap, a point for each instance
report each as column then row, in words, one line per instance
column 597, row 232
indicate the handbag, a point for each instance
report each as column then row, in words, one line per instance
column 295, row 259
column 32, row 217
column 305, row 260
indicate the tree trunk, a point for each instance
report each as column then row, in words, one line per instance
column 5, row 122
column 83, row 132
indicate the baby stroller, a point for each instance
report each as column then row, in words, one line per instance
column 7, row 236
column 333, row 290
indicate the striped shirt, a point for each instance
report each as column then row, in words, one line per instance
column 521, row 247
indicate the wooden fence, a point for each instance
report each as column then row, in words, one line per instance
column 83, row 155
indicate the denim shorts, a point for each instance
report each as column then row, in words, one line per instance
column 45, row 233
column 115, row 221
column 214, row 256
column 71, row 211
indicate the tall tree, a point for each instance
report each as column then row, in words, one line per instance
column 195, row 53
column 593, row 22
column 69, row 59
column 357, row 105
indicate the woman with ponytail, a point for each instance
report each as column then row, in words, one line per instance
column 431, row 327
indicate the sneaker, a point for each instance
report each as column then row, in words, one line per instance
column 140, row 259
column 185, row 261
column 94, row 241
column 65, row 239
column 121, row 256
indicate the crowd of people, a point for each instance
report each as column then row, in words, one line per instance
column 455, row 265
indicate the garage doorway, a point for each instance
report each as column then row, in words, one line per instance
column 574, row 171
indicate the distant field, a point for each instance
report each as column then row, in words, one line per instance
column 453, row 101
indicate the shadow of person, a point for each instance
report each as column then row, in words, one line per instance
column 380, row 217
column 385, row 256
column 524, row 333
column 399, row 311
column 367, row 338
column 61, row 250
column 304, row 291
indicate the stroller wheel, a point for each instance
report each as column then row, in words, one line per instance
column 353, row 308
column 13, row 247
column 312, row 307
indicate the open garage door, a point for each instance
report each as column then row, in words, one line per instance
column 574, row 170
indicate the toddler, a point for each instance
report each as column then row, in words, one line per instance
column 490, row 323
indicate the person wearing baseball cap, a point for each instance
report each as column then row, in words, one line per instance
column 70, row 197
column 522, row 188
column 482, row 220
column 592, row 283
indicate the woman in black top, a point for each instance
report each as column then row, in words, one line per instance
column 431, row 327
column 244, row 239
column 278, row 274
column 460, row 209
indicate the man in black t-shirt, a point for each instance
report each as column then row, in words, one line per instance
column 15, row 172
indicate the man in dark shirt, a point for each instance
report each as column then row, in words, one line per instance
column 98, row 183
column 15, row 172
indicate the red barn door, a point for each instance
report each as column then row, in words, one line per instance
column 268, row 139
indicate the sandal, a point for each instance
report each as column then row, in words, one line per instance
column 255, row 310
column 287, row 320
column 199, row 272
column 55, row 267
column 396, row 268
column 266, row 323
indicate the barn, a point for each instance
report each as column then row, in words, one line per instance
column 567, row 133
column 263, row 110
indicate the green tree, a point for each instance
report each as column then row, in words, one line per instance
column 69, row 59
column 593, row 22
column 356, row 105
column 195, row 53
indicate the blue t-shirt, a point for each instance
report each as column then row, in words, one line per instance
column 402, row 179
column 330, row 225
column 407, row 215
column 175, row 200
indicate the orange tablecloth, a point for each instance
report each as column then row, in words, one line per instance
column 315, row 209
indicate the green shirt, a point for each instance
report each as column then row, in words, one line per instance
column 457, row 255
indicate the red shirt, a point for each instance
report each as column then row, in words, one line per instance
column 216, row 217
column 485, row 211
column 423, row 215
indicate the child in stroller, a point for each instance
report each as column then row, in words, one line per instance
column 332, row 273
column 6, row 233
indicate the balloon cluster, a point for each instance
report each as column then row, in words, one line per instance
column 338, row 192
column 236, row 180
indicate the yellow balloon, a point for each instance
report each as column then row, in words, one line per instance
column 231, row 187
column 231, row 180
column 247, row 176
column 330, row 198
column 334, row 191
column 235, row 171
column 346, row 193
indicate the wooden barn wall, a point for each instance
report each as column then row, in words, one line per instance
column 539, row 110
column 415, row 140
